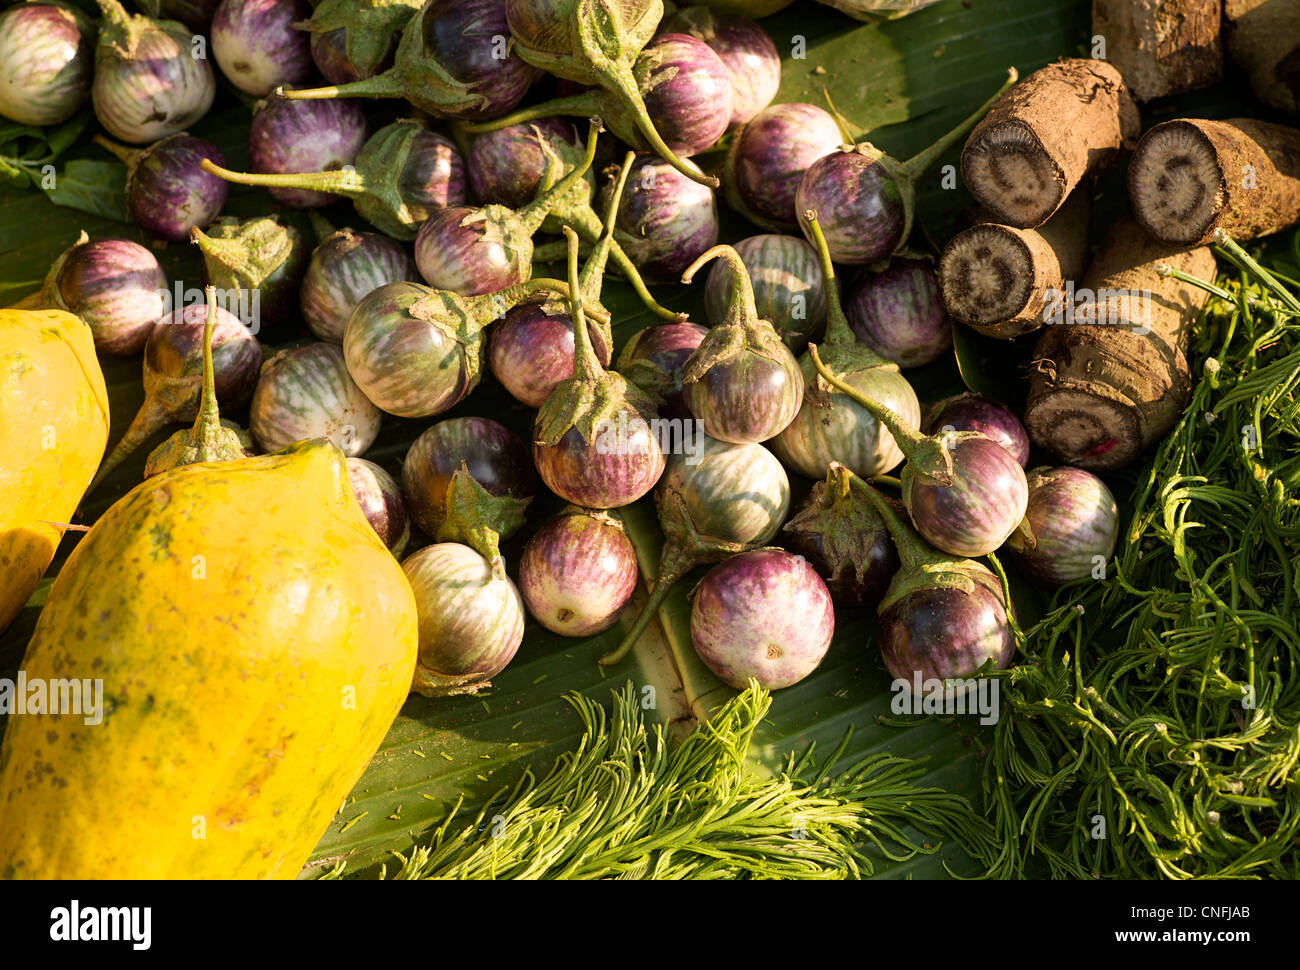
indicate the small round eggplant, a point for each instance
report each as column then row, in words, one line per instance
column 665, row 220
column 577, row 573
column 260, row 262
column 687, row 91
column 1074, row 521
column 768, row 158
column 744, row 47
column 287, row 137
column 655, row 361
column 148, row 83
column 306, row 392
column 346, row 267
column 257, row 45
column 494, row 456
column 788, row 287
column 47, row 51
column 975, row 412
column 764, row 615
column 167, row 191
column 530, row 350
column 116, row 286
column 381, row 502
column 507, row 165
column 897, row 312
column 470, row 616
column 355, row 39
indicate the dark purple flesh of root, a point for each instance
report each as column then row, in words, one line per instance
column 530, row 350
column 168, row 194
column 771, row 155
column 381, row 502
column 944, row 632
column 494, row 455
column 765, row 615
column 860, row 208
column 1075, row 522
column 287, row 137
column 118, row 288
column 975, row 412
column 576, row 574
column 608, row 472
column 899, row 314
column 667, row 346
column 982, row 507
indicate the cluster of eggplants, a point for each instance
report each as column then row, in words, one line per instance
column 744, row 48
column 453, row 61
column 866, row 198
column 969, row 411
column 834, row 427
column 577, row 573
column 964, row 492
column 768, row 156
column 148, row 84
column 897, row 312
column 257, row 46
column 168, row 191
column 345, row 267
column 306, row 392
column 1075, row 523
column 259, row 262
column 788, row 287
column 115, row 285
column 941, row 617
column 47, row 50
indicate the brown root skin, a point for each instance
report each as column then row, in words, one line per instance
column 1101, row 393
column 1001, row 281
column 1189, row 177
column 1021, row 162
column 1262, row 38
column 1161, row 47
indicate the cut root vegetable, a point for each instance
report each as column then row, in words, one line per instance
column 1061, row 124
column 1189, row 177
column 1263, row 38
column 1002, row 281
column 1112, row 376
column 1161, row 47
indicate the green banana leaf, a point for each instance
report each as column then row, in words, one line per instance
column 905, row 82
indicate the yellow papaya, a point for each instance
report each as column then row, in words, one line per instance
column 253, row 640
column 53, row 430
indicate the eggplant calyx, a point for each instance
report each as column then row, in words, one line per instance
column 845, row 523
column 474, row 516
column 245, row 254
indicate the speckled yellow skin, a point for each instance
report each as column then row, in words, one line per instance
column 255, row 641
column 53, row 429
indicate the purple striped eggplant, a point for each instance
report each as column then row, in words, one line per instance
column 454, row 60
column 173, row 374
column 356, row 39
column 306, row 392
column 975, row 412
column 115, row 285
column 148, row 83
column 655, row 361
column 768, row 157
column 47, row 50
column 744, row 47
column 507, row 165
column 470, row 615
column 592, row 441
column 530, row 350
column 715, row 500
column 788, row 287
column 665, row 220
column 763, row 615
column 845, row 540
column 1075, row 523
column 257, row 46
column 898, row 313
column 344, row 268
column 289, row 137
column 402, row 175
column 577, row 573
column 168, row 192
column 381, row 503
column 260, row 262
column 742, row 382
column 832, row 427
column 941, row 618
column 866, row 198
column 494, row 456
